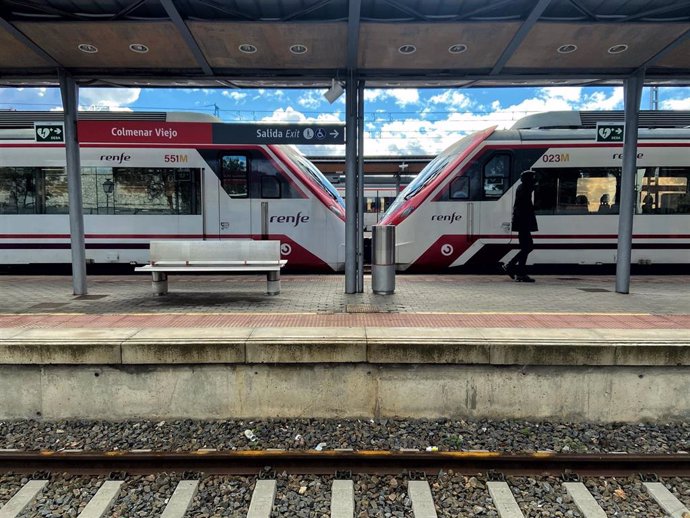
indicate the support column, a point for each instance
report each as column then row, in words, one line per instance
column 360, row 187
column 633, row 96
column 70, row 96
column 351, row 183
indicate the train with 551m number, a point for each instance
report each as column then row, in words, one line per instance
column 148, row 176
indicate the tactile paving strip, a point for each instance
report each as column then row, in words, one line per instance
column 429, row 320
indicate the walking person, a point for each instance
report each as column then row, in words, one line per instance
column 524, row 223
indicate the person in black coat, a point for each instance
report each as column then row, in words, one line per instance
column 524, row 223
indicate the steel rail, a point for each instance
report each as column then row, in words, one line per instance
column 329, row 462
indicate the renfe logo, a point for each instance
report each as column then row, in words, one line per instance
column 450, row 218
column 296, row 220
column 122, row 157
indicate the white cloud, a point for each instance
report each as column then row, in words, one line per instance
column 452, row 98
column 113, row 99
column 675, row 104
column 289, row 114
column 235, row 95
column 311, row 99
column 401, row 96
column 568, row 93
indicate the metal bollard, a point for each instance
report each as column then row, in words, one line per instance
column 383, row 259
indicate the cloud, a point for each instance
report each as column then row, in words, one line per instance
column 452, row 98
column 235, row 95
column 113, row 99
column 675, row 104
column 311, row 99
column 401, row 96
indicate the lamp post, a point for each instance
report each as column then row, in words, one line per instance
column 108, row 187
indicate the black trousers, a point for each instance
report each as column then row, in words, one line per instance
column 519, row 262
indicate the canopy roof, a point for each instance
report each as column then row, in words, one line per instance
column 306, row 43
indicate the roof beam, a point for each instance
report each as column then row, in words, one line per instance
column 187, row 36
column 131, row 7
column 658, row 10
column 583, row 9
column 19, row 35
column 490, row 7
column 353, row 22
column 44, row 7
column 237, row 14
column 406, row 10
column 666, row 50
column 520, row 35
column 315, row 6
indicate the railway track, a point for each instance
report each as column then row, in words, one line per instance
column 264, row 479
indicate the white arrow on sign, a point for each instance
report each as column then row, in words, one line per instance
column 334, row 133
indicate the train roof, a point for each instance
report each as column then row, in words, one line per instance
column 26, row 119
column 589, row 119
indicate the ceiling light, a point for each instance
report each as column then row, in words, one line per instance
column 458, row 48
column 139, row 48
column 88, row 48
column 247, row 48
column 298, row 49
column 407, row 49
column 566, row 49
column 617, row 49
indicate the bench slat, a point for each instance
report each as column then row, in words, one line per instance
column 149, row 268
column 217, row 263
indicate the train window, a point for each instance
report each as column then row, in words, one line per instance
column 55, row 194
column 270, row 187
column 664, row 190
column 496, row 176
column 234, row 175
column 460, row 188
column 18, row 190
column 271, row 182
column 104, row 191
column 577, row 191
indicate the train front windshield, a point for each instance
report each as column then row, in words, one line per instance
column 431, row 171
column 313, row 172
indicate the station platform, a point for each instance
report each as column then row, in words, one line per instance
column 441, row 345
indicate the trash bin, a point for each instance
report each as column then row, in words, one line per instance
column 383, row 260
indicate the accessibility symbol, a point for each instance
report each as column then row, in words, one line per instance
column 285, row 249
column 446, row 250
column 320, row 134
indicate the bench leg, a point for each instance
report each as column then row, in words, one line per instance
column 159, row 283
column 273, row 283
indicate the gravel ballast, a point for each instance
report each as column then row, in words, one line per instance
column 383, row 434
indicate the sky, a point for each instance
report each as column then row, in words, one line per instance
column 397, row 122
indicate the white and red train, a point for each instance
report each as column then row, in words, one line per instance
column 457, row 211
column 161, row 176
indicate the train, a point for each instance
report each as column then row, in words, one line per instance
column 457, row 212
column 161, row 175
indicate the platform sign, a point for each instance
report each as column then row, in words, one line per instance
column 313, row 134
column 49, row 132
column 610, row 131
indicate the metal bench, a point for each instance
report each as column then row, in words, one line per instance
column 213, row 256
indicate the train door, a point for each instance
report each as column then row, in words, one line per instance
column 492, row 215
column 234, row 201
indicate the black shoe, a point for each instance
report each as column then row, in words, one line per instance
column 507, row 270
column 524, row 278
